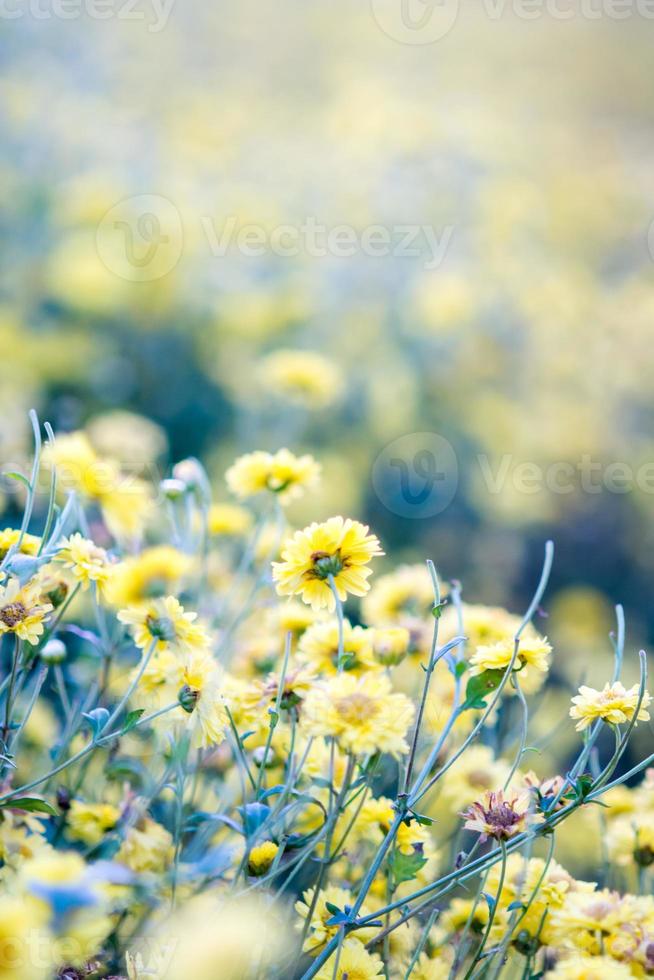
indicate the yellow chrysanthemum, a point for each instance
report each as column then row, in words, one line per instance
column 577, row 967
column 88, row 822
column 155, row 573
column 354, row 963
column 228, row 519
column 613, row 704
column 23, row 931
column 362, row 713
column 261, row 857
column 22, row 610
column 320, row 932
column 202, row 699
column 340, row 548
column 390, row 645
column 630, row 840
column 9, row 538
column 303, row 377
column 281, row 473
column 164, row 622
column 533, row 651
column 147, row 846
column 403, row 597
column 86, row 561
column 318, row 646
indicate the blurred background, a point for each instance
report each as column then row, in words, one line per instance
column 315, row 225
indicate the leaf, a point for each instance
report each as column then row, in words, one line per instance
column 334, row 909
column 97, row 719
column 515, row 905
column 422, row 819
column 490, row 901
column 405, row 867
column 437, row 609
column 479, row 686
column 460, row 668
column 131, row 719
column 31, row 804
column 13, row 475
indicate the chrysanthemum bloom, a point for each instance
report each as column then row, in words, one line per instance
column 228, row 519
column 146, row 846
column 22, row 610
column 281, row 473
column 164, row 622
column 354, row 963
column 319, row 646
column 630, row 840
column 546, row 790
column 497, row 817
column 10, row 536
column 262, row 694
column 202, row 699
column 320, row 931
column 261, row 857
column 403, row 597
column 89, row 822
column 340, row 548
column 577, row 966
column 155, row 573
column 613, row 704
column 23, row 929
column 533, row 651
column 86, row 560
column 375, row 819
column 300, row 376
column 362, row 713
column 391, row 645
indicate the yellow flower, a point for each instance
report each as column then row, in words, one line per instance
column 202, row 699
column 86, row 560
column 339, row 548
column 261, row 857
column 281, row 473
column 354, row 963
column 403, row 597
column 228, row 519
column 23, row 935
column 376, row 815
column 320, row 932
column 613, row 704
column 147, row 846
column 533, row 651
column 578, row 967
column 88, row 822
column 155, row 573
column 9, row 537
column 303, row 377
column 319, row 647
column 362, row 713
column 22, row 610
column 630, row 839
column 164, row 621
column 391, row 645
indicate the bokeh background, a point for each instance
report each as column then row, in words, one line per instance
column 528, row 143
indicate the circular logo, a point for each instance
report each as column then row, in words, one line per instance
column 415, row 21
column 140, row 238
column 416, row 476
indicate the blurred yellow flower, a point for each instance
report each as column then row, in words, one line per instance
column 261, row 857
column 281, row 473
column 228, row 519
column 88, row 822
column 304, row 377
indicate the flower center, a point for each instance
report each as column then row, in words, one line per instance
column 326, row 564
column 161, row 628
column 13, row 614
column 503, row 816
column 356, row 708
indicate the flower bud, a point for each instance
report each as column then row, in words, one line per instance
column 172, row 489
column 261, row 857
column 188, row 697
column 54, row 652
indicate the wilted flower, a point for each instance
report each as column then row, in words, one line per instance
column 497, row 817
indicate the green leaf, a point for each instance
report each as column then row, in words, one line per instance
column 13, row 475
column 334, row 909
column 404, row 867
column 437, row 610
column 479, row 687
column 460, row 668
column 131, row 719
column 423, row 820
column 31, row 804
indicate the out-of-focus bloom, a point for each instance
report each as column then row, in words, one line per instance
column 146, row 846
column 401, row 597
column 630, row 839
column 579, row 967
column 362, row 713
column 613, row 704
column 154, row 573
column 164, row 622
column 339, row 547
column 474, row 773
column 281, row 473
column 354, row 963
column 318, row 646
column 303, row 377
column 9, row 538
column 23, row 931
column 261, row 857
column 228, row 519
column 88, row 822
column 390, row 645
column 86, row 561
column 496, row 816
column 132, row 439
column 320, row 931
column 22, row 610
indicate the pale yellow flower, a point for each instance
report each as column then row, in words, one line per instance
column 281, row 473
column 22, row 610
column 613, row 704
